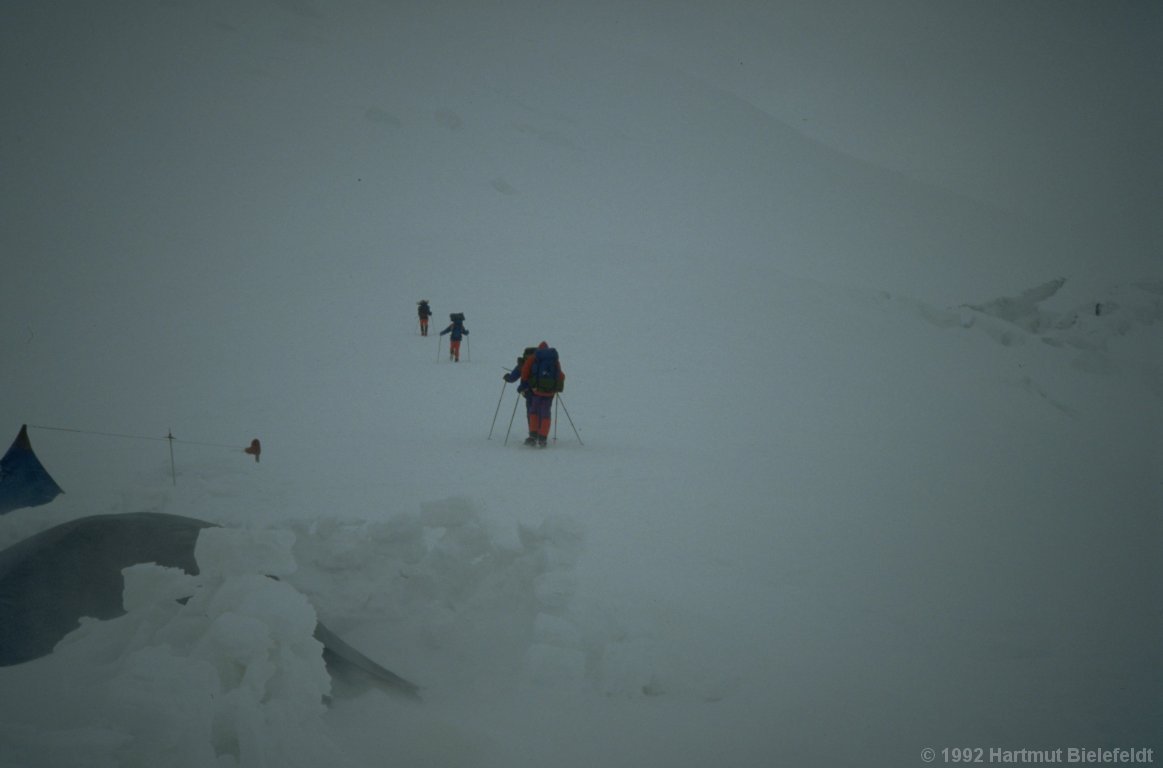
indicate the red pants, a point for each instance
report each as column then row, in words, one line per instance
column 539, row 410
column 454, row 349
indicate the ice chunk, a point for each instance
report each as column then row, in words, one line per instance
column 447, row 513
column 149, row 584
column 229, row 551
column 555, row 630
column 554, row 589
column 551, row 664
column 166, row 703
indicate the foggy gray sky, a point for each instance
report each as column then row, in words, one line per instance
column 1045, row 107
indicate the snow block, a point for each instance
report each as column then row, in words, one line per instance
column 627, row 669
column 554, row 630
column 553, row 665
column 149, row 584
column 447, row 513
column 228, row 551
column 553, row 590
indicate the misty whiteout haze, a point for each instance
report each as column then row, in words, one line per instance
column 859, row 306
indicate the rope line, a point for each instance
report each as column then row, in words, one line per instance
column 129, row 437
column 209, row 445
column 89, row 432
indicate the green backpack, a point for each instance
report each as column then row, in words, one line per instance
column 545, row 374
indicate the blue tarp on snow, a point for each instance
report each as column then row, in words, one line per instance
column 24, row 482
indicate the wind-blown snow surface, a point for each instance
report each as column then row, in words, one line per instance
column 863, row 470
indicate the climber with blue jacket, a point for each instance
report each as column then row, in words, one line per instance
column 457, row 329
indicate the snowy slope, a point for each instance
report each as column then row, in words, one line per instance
column 837, row 501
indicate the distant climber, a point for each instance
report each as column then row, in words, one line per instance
column 457, row 329
column 424, row 311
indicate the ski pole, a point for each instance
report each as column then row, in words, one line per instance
column 467, row 349
column 570, row 420
column 510, row 429
column 438, row 348
column 556, row 401
column 499, row 399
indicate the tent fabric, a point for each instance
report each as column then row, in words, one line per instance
column 24, row 482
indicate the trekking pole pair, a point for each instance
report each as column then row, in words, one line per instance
column 514, row 415
column 558, row 402
column 511, row 417
column 567, row 416
column 498, row 410
column 499, row 399
column 468, row 349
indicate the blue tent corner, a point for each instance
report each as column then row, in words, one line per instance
column 24, row 482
